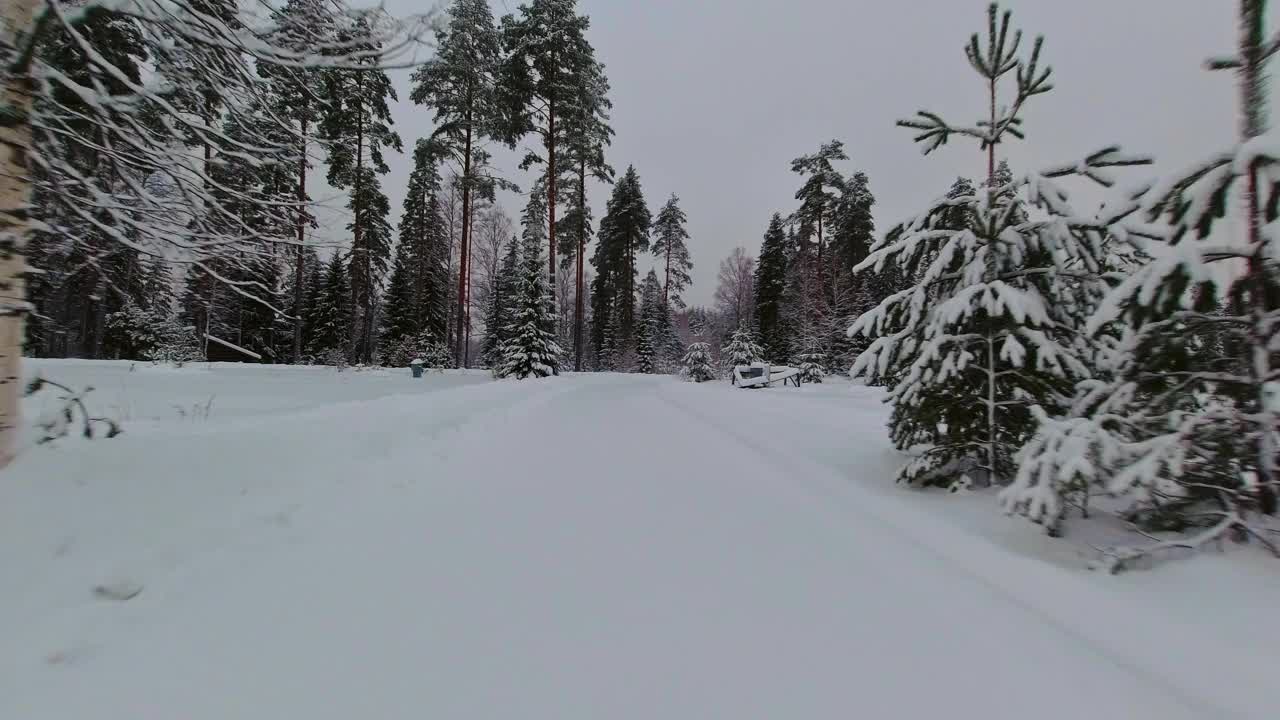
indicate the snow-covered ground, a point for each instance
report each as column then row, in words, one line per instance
column 349, row 545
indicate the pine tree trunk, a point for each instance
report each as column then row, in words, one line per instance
column 466, row 352
column 204, row 182
column 1253, row 124
column 991, row 406
column 578, row 310
column 299, row 271
column 422, row 308
column 992, row 420
column 629, row 309
column 666, row 288
column 991, row 146
column 460, row 327
column 551, row 197
column 358, row 251
column 820, row 240
column 18, row 18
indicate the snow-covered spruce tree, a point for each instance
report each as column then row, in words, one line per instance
column 1004, row 280
column 1186, row 427
column 422, row 229
column 670, row 245
column 741, row 349
column 417, row 292
column 850, row 295
column 770, row 286
column 131, row 331
column 312, row 299
column 697, row 363
column 331, row 316
column 399, row 316
column 806, row 308
column 501, row 304
column 649, row 333
column 852, row 227
column 667, row 338
column 176, row 343
column 531, row 350
column 623, row 236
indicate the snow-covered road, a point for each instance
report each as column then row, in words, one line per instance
column 699, row 553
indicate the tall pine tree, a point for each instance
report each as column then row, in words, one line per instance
column 587, row 134
column 460, row 85
column 543, row 85
column 298, row 95
column 819, row 193
column 357, row 128
column 670, row 245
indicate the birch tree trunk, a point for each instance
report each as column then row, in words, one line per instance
column 17, row 21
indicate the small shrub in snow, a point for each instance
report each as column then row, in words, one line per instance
column 69, row 411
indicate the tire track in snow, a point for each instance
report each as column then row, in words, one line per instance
column 797, row 465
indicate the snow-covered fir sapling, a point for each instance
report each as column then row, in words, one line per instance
column 1186, row 427
column 697, row 363
column 741, row 349
column 1003, row 280
column 813, row 362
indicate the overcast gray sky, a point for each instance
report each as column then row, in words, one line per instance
column 713, row 98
